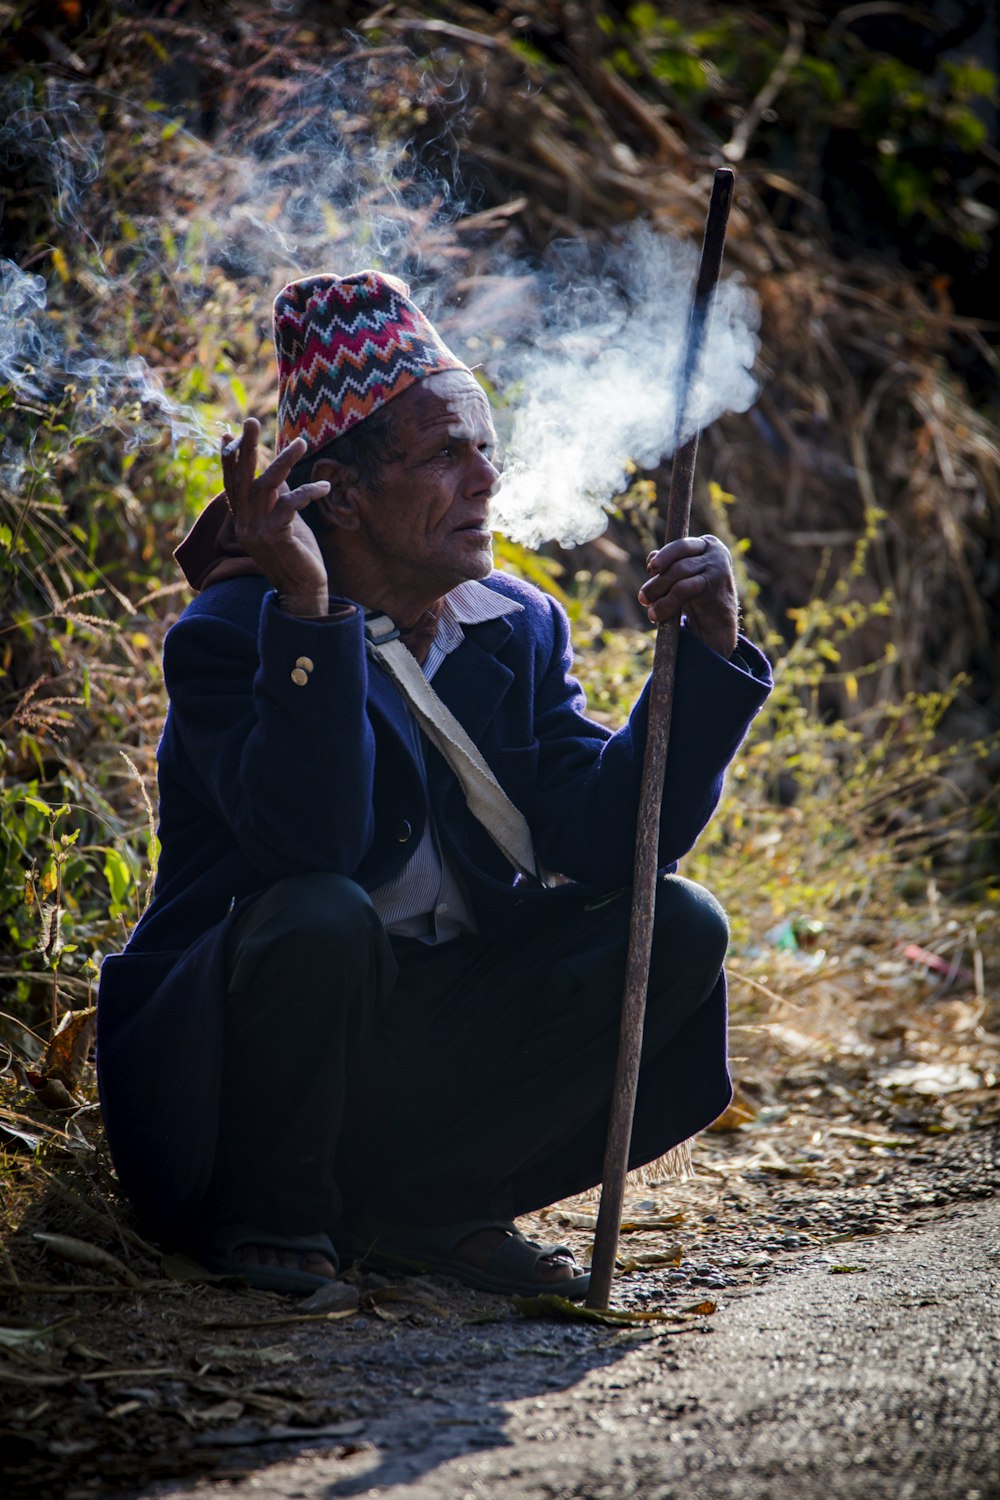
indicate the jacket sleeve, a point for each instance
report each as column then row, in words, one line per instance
column 584, row 814
column 274, row 734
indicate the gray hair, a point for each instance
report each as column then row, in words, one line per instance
column 366, row 448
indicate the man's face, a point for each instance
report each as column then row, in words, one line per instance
column 428, row 519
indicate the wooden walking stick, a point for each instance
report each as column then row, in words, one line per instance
column 661, row 697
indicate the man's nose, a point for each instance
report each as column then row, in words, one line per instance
column 485, row 476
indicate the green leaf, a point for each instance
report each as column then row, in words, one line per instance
column 239, row 391
column 38, row 805
column 967, row 130
column 118, row 875
column 818, row 70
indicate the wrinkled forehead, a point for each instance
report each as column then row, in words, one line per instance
column 452, row 402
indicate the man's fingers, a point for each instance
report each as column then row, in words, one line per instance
column 306, row 493
column 250, row 496
column 245, row 446
column 663, row 583
column 687, row 546
column 247, row 455
column 666, row 606
column 693, row 576
column 239, row 461
column 279, row 468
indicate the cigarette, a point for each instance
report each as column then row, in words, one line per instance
column 231, row 449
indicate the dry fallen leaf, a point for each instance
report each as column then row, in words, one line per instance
column 561, row 1309
column 740, row 1112
column 644, row 1225
column 224, row 1411
column 230, row 1325
column 644, row 1260
column 226, row 1356
column 930, row 1078
column 338, row 1296
column 69, row 1046
column 82, row 1253
column 14, row 1375
column 19, row 1338
column 631, row 1223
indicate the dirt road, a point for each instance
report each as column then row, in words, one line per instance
column 868, row 1375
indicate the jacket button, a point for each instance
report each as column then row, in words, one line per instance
column 404, row 831
column 305, row 662
column 299, row 677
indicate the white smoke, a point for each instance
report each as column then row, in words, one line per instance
column 586, row 355
column 307, row 191
column 39, row 366
column 26, row 346
column 55, row 141
column 602, row 390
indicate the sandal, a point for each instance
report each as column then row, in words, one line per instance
column 220, row 1256
column 509, row 1270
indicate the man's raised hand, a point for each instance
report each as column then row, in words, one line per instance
column 267, row 522
column 694, row 577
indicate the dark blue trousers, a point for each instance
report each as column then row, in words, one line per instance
column 371, row 1082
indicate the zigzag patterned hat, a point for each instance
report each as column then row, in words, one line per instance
column 346, row 345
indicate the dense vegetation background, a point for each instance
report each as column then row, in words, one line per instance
column 166, row 166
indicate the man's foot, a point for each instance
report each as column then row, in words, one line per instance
column 479, row 1248
column 492, row 1256
column 313, row 1262
column 296, row 1263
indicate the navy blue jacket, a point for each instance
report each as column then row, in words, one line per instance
column 262, row 776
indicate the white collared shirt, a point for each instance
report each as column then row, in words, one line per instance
column 426, row 899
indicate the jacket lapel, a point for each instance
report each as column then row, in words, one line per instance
column 387, row 707
column 471, row 681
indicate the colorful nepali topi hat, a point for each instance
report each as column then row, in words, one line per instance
column 346, row 345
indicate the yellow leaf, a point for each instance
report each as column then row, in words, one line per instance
column 851, row 687
column 718, row 495
column 60, row 263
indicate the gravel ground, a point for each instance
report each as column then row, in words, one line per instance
column 829, row 1283
column 868, row 1378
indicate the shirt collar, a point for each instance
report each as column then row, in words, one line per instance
column 468, row 604
column 472, row 602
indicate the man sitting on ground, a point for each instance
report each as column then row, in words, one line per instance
column 355, row 1018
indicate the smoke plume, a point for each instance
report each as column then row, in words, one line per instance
column 600, row 383
column 584, row 352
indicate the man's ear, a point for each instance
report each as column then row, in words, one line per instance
column 339, row 506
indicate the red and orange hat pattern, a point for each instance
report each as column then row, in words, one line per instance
column 346, row 345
